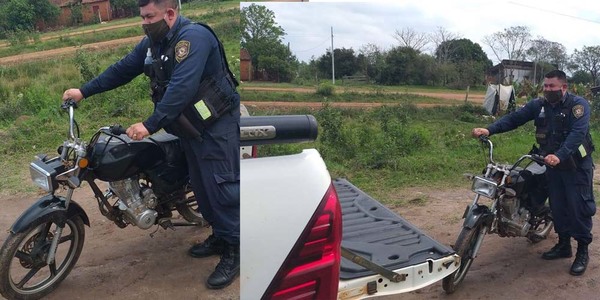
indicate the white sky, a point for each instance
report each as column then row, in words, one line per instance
column 574, row 23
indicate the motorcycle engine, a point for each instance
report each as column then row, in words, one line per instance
column 514, row 219
column 137, row 204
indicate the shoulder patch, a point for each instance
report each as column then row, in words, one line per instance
column 578, row 111
column 182, row 49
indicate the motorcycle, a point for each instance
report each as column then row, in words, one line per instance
column 517, row 208
column 147, row 181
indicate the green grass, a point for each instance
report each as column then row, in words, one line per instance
column 344, row 96
column 32, row 123
column 371, row 88
column 214, row 13
column 439, row 156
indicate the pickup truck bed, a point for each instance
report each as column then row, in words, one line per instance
column 376, row 233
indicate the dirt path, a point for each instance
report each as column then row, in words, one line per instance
column 27, row 57
column 75, row 33
column 127, row 263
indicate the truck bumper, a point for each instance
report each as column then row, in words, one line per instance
column 417, row 276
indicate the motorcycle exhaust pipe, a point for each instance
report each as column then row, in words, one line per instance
column 263, row 130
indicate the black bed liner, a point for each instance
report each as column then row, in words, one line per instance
column 376, row 233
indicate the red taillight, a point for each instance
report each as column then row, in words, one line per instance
column 312, row 269
column 254, row 151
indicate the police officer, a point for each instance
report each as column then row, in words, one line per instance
column 562, row 132
column 194, row 98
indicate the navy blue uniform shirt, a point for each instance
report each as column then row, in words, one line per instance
column 203, row 59
column 579, row 126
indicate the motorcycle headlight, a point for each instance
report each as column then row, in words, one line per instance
column 484, row 187
column 42, row 174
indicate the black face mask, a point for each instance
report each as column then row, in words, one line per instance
column 553, row 97
column 156, row 31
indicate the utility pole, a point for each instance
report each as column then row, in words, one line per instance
column 332, row 59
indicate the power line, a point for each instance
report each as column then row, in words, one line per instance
column 554, row 12
column 315, row 47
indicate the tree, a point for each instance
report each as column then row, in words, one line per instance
column 548, row 51
column 345, row 63
column 581, row 77
column 400, row 66
column 259, row 30
column 465, row 62
column 22, row 15
column 17, row 15
column 441, row 38
column 408, row 37
column 261, row 36
column 588, row 59
column 512, row 43
column 371, row 60
column 122, row 8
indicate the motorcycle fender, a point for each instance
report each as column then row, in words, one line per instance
column 475, row 215
column 49, row 204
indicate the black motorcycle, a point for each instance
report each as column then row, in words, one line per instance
column 518, row 195
column 147, row 181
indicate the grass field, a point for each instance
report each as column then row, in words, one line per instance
column 31, row 121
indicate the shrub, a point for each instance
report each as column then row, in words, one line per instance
column 325, row 89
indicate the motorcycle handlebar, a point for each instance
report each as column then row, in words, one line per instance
column 117, row 129
column 68, row 103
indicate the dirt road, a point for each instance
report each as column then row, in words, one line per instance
column 128, row 264
column 75, row 33
column 48, row 54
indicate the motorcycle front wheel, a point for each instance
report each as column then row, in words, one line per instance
column 465, row 248
column 24, row 271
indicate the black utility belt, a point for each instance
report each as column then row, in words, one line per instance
column 212, row 103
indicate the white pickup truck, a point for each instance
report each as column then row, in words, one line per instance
column 306, row 236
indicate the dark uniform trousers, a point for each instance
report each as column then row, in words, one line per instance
column 572, row 200
column 214, row 167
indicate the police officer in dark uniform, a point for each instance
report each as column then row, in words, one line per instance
column 562, row 132
column 194, row 98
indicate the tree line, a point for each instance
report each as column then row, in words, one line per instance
column 439, row 58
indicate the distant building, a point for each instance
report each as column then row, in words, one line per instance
column 245, row 65
column 509, row 71
column 91, row 10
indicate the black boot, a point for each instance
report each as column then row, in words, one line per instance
column 227, row 269
column 560, row 250
column 581, row 259
column 211, row 246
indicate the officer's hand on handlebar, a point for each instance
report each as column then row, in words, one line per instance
column 477, row 132
column 74, row 94
column 552, row 160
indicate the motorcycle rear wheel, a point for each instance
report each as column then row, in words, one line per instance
column 24, row 273
column 464, row 247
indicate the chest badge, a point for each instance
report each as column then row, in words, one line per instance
column 182, row 49
column 578, row 111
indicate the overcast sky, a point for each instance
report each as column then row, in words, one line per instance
column 574, row 23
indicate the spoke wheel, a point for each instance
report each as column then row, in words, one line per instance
column 464, row 247
column 24, row 271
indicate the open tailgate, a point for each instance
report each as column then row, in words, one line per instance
column 377, row 234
